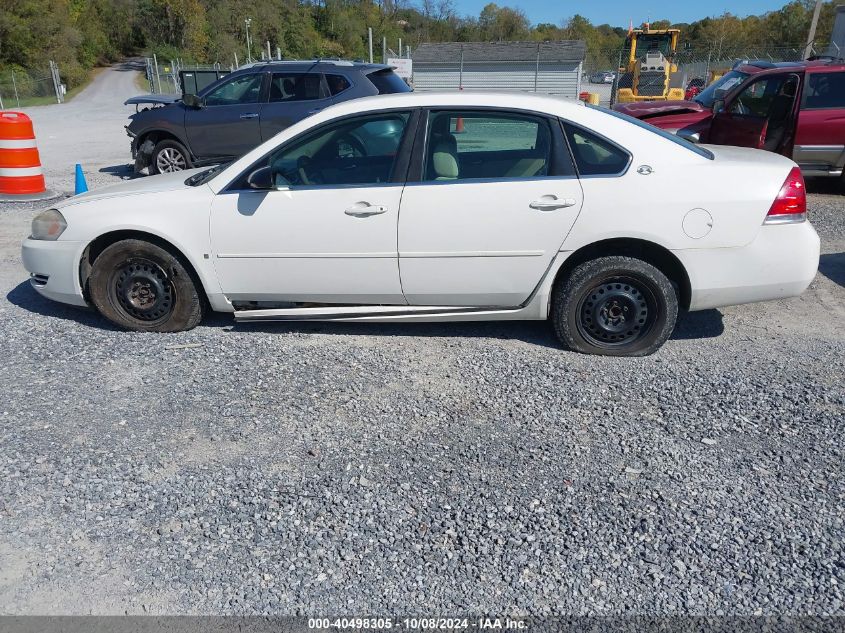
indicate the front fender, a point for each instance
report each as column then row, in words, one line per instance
column 179, row 218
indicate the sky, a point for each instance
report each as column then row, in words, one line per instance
column 619, row 12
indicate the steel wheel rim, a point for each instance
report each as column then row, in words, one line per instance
column 170, row 159
column 142, row 290
column 617, row 312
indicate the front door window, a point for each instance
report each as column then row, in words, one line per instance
column 358, row 151
column 240, row 90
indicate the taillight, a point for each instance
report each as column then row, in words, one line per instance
column 791, row 202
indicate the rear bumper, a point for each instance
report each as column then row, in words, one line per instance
column 54, row 269
column 780, row 262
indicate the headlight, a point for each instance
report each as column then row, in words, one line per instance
column 48, row 225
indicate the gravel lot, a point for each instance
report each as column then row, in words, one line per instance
column 410, row 469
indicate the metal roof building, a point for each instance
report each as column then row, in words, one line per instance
column 545, row 67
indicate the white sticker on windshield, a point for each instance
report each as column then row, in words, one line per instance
column 730, row 83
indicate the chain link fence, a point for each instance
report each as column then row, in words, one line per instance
column 605, row 74
column 165, row 77
column 22, row 88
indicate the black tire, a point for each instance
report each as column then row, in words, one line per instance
column 614, row 306
column 170, row 156
column 143, row 287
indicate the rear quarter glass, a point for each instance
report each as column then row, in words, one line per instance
column 388, row 82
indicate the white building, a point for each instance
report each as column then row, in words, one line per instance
column 545, row 67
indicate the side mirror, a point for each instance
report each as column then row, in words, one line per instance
column 192, row 101
column 718, row 106
column 264, row 179
column 688, row 135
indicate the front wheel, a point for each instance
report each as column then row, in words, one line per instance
column 141, row 286
column 614, row 306
column 169, row 156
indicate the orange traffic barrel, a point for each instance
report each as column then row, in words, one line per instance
column 20, row 165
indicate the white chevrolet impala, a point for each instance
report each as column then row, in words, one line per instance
column 433, row 207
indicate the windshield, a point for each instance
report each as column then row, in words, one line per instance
column 207, row 174
column 726, row 82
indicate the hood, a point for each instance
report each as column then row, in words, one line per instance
column 642, row 109
column 144, row 184
column 153, row 99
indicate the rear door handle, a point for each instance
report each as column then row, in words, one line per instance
column 550, row 203
column 249, row 115
column 314, row 111
column 365, row 209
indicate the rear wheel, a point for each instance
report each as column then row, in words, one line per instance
column 140, row 286
column 615, row 306
column 169, row 156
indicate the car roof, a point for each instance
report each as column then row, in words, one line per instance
column 815, row 65
column 313, row 64
column 463, row 98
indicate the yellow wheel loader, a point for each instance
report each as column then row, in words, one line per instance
column 651, row 73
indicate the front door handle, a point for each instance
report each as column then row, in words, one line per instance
column 314, row 111
column 250, row 115
column 365, row 209
column 550, row 203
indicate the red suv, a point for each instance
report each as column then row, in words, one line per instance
column 794, row 109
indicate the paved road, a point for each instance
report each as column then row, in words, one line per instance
column 87, row 130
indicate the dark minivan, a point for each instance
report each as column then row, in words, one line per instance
column 245, row 108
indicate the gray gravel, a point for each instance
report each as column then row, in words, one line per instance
column 390, row 469
column 423, row 468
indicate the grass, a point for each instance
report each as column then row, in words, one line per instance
column 141, row 83
column 9, row 101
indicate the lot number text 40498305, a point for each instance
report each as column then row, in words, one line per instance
column 419, row 624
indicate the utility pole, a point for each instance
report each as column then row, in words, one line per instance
column 811, row 37
column 370, row 39
column 248, row 21
column 384, row 50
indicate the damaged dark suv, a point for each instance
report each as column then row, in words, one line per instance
column 245, row 108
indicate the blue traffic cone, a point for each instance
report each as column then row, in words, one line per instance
column 81, row 186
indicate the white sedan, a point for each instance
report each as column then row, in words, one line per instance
column 442, row 207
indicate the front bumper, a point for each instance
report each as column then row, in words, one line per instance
column 781, row 262
column 54, row 269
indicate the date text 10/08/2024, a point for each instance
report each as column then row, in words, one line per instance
column 425, row 624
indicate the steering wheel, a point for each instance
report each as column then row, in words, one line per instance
column 354, row 142
column 739, row 107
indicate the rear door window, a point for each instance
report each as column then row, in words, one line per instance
column 824, row 90
column 503, row 146
column 286, row 87
column 337, row 83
